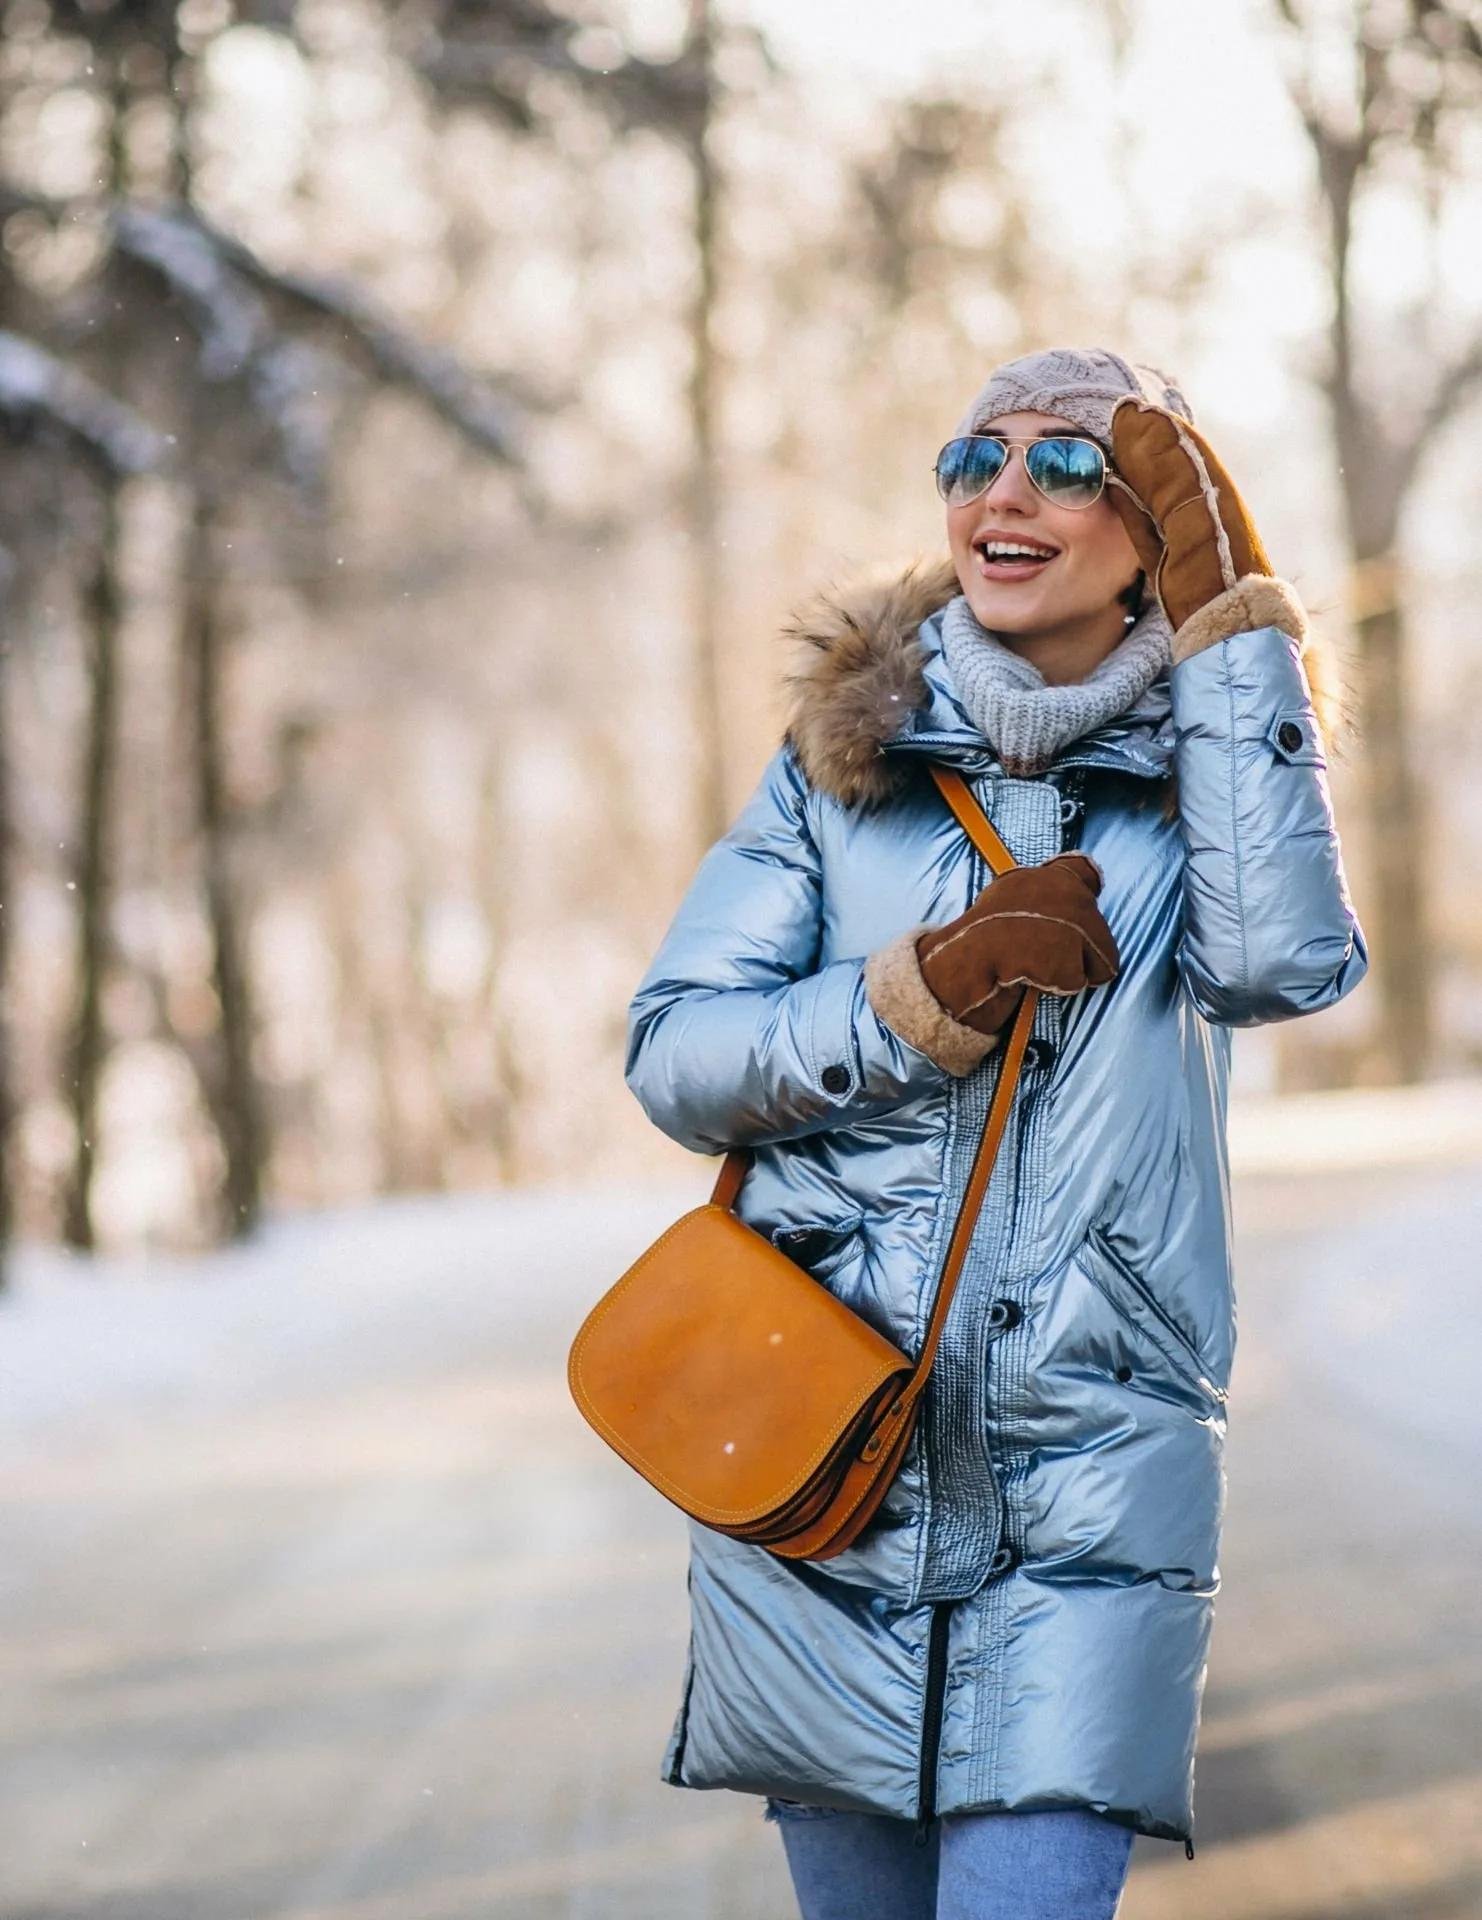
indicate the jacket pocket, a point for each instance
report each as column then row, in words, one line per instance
column 1135, row 1301
column 821, row 1246
column 833, row 1251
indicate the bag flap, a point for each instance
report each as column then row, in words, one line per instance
column 722, row 1371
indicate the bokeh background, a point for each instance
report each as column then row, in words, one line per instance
column 416, row 422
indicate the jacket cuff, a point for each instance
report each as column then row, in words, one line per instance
column 898, row 992
column 1255, row 600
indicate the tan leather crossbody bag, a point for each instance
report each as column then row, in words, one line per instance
column 737, row 1384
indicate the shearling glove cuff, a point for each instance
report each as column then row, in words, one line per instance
column 1255, row 600
column 896, row 990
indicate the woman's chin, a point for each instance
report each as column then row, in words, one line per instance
column 1009, row 608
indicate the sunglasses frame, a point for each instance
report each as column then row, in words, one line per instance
column 1009, row 441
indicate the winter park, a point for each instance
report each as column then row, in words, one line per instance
column 861, row 616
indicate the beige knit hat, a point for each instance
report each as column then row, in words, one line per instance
column 1082, row 384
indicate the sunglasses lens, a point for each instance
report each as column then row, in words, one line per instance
column 1069, row 472
column 966, row 466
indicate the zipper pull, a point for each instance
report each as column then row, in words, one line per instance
column 923, row 1829
column 1072, row 809
column 1188, row 1848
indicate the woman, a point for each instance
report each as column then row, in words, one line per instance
column 1023, row 1629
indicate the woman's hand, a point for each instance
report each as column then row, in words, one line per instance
column 1032, row 926
column 1196, row 540
column 950, row 990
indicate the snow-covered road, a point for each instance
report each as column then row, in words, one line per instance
column 321, row 1600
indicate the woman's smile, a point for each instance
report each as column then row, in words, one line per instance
column 1002, row 554
column 994, row 566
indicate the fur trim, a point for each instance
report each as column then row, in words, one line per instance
column 1255, row 600
column 897, row 990
column 859, row 674
column 858, row 669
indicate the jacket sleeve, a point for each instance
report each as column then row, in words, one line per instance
column 1269, row 930
column 735, row 1035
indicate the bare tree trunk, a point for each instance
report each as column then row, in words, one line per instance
column 493, row 857
column 360, row 1012
column 704, row 542
column 1399, row 935
column 235, row 1099
column 1373, row 480
column 1412, row 87
column 7, row 896
column 232, row 1092
column 439, row 1118
column 102, row 613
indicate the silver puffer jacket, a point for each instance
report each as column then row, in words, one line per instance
column 1026, row 1623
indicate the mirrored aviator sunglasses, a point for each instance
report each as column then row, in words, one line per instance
column 1069, row 471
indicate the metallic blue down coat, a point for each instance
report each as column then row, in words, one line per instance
column 1026, row 1623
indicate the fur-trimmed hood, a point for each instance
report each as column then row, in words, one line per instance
column 858, row 674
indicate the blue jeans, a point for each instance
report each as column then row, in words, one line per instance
column 1069, row 1864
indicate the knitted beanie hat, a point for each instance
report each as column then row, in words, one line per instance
column 1081, row 384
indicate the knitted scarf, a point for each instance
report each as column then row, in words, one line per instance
column 1026, row 720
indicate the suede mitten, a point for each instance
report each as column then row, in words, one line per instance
column 950, row 990
column 1193, row 533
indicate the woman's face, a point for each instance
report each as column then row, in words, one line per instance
column 1093, row 559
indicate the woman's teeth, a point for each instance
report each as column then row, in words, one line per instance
column 1002, row 562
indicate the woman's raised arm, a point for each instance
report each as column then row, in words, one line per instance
column 1269, row 929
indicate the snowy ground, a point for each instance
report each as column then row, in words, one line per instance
column 322, row 1603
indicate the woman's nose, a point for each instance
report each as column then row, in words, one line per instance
column 1013, row 482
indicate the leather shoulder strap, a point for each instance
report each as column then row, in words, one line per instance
column 976, row 824
column 959, row 797
column 732, row 1173
column 979, row 828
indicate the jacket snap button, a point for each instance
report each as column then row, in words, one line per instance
column 835, row 1079
column 1004, row 1315
column 1124, row 1374
column 1002, row 1560
column 1040, row 1052
column 1289, row 736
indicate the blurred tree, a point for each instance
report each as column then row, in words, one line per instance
column 1388, row 92
column 350, row 867
column 71, row 447
column 245, row 366
column 503, row 57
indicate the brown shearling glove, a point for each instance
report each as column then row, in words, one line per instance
column 950, row 990
column 1032, row 926
column 1193, row 533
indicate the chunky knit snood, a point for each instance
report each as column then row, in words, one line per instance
column 1027, row 721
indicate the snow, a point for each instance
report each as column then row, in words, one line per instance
column 337, row 1300
column 324, row 1299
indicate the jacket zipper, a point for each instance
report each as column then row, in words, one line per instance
column 931, row 1721
column 931, row 1725
column 1070, row 792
